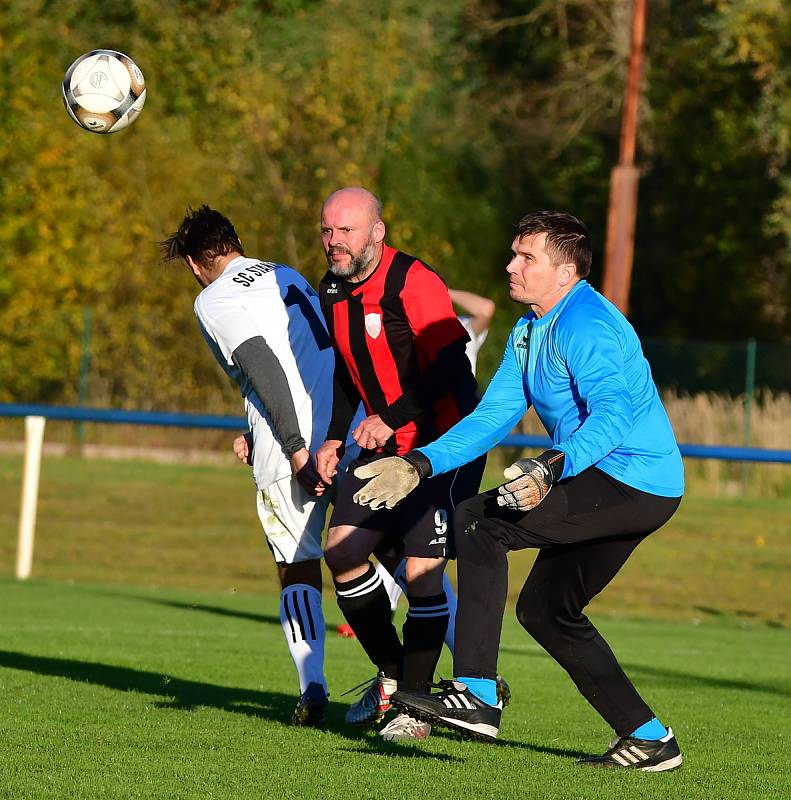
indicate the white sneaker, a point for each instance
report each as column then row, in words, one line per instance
column 374, row 704
column 403, row 726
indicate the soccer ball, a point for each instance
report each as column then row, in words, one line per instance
column 104, row 91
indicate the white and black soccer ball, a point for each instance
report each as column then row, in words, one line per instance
column 104, row 91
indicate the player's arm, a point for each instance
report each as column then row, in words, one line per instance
column 480, row 309
column 243, row 448
column 345, row 402
column 502, row 406
column 266, row 375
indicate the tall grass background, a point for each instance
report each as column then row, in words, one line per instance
column 718, row 419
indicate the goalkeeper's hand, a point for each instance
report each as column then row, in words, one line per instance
column 530, row 480
column 392, row 479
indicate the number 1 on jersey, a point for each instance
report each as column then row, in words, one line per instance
column 294, row 297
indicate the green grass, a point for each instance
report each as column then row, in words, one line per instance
column 113, row 686
column 195, row 527
column 116, row 692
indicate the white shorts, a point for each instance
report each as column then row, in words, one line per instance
column 293, row 521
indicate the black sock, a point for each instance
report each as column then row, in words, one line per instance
column 366, row 606
column 424, row 634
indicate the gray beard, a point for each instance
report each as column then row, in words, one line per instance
column 359, row 263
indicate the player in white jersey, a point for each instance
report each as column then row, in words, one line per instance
column 263, row 323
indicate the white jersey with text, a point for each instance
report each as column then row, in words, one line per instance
column 261, row 298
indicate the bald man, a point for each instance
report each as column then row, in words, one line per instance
column 400, row 349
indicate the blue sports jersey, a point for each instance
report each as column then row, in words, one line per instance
column 582, row 368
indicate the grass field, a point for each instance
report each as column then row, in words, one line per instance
column 116, row 692
column 145, row 659
column 195, row 527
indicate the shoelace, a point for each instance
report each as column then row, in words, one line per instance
column 443, row 684
column 360, row 686
column 403, row 723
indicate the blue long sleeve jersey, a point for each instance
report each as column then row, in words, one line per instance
column 582, row 368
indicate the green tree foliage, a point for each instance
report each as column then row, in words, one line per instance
column 712, row 185
column 713, row 235
column 461, row 114
column 258, row 109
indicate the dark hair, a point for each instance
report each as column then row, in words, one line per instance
column 567, row 240
column 203, row 235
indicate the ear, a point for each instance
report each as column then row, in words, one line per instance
column 567, row 273
column 192, row 265
column 379, row 231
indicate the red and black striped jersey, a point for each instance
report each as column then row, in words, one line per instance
column 400, row 348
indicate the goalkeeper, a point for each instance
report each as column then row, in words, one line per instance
column 612, row 476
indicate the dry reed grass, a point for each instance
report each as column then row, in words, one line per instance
column 715, row 419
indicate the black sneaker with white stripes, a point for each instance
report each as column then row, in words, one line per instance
column 454, row 707
column 643, row 754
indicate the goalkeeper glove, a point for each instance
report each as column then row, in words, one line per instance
column 531, row 480
column 392, row 479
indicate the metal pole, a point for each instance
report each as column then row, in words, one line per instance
column 749, row 392
column 749, row 389
column 622, row 213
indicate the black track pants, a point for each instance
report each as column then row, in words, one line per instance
column 586, row 529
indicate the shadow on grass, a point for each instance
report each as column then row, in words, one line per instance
column 668, row 676
column 370, row 747
column 538, row 748
column 411, row 750
column 186, row 695
column 672, row 677
column 268, row 619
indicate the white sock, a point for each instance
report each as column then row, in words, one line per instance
column 447, row 587
column 303, row 624
column 393, row 586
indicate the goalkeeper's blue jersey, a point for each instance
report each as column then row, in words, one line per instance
column 582, row 368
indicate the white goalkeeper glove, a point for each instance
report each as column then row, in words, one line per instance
column 392, row 479
column 530, row 480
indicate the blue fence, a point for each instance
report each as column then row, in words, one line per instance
column 108, row 415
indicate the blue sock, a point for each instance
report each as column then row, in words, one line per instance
column 483, row 688
column 653, row 730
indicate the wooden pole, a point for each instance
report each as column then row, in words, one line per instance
column 622, row 213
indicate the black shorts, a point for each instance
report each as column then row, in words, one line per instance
column 421, row 524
